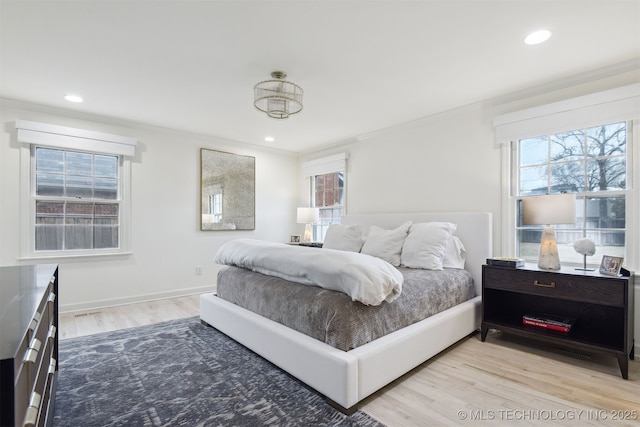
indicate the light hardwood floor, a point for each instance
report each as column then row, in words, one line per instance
column 503, row 381
column 90, row 322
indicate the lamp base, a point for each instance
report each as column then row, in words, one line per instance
column 306, row 237
column 548, row 258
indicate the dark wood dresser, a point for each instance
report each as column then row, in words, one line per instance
column 28, row 344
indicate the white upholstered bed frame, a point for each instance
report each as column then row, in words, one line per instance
column 346, row 378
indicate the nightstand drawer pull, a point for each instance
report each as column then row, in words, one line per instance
column 544, row 285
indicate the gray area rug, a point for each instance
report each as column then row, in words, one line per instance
column 181, row 373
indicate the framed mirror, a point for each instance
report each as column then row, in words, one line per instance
column 227, row 191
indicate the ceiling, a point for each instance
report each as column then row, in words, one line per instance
column 363, row 65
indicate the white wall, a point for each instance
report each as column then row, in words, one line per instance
column 167, row 242
column 447, row 162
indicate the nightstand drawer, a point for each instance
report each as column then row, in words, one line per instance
column 563, row 286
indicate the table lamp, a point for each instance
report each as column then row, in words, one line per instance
column 547, row 210
column 308, row 216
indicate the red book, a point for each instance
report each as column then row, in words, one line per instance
column 548, row 321
column 545, row 325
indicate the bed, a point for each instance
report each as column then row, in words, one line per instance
column 345, row 378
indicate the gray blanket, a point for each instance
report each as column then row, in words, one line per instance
column 332, row 317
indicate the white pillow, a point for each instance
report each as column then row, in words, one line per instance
column 343, row 238
column 386, row 244
column 455, row 254
column 426, row 244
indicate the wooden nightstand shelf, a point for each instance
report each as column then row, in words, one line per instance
column 602, row 307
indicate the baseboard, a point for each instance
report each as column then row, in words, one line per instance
column 98, row 304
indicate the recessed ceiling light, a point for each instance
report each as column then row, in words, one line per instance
column 537, row 37
column 73, row 98
column 269, row 139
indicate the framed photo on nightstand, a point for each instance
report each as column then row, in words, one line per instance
column 294, row 239
column 611, row 265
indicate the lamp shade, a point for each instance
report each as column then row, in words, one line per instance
column 549, row 209
column 308, row 215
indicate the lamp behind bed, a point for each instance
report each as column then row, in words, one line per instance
column 308, row 216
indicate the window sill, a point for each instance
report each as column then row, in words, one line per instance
column 73, row 256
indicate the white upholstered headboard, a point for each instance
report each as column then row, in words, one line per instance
column 473, row 228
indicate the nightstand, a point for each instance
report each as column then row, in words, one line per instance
column 311, row 244
column 601, row 306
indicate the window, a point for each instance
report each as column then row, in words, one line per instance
column 328, row 195
column 215, row 206
column 76, row 197
column 582, row 146
column 74, row 191
column 326, row 190
column 590, row 163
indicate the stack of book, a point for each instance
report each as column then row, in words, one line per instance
column 506, row 262
column 547, row 321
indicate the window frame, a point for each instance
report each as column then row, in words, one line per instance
column 320, row 230
column 609, row 106
column 632, row 195
column 35, row 198
column 31, row 135
column 581, row 197
column 333, row 163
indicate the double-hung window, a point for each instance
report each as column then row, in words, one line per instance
column 77, row 200
column 75, row 194
column 326, row 190
column 586, row 146
column 328, row 195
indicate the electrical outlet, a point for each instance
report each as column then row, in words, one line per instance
column 198, row 271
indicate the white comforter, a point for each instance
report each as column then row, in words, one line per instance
column 364, row 278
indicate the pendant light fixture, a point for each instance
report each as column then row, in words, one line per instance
column 278, row 97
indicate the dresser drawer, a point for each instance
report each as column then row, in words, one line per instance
column 563, row 286
column 28, row 344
